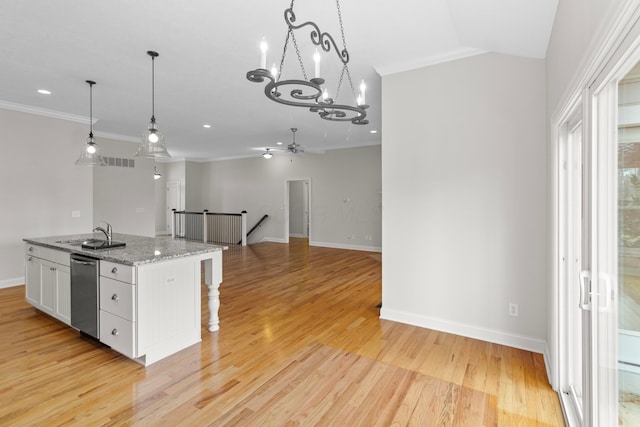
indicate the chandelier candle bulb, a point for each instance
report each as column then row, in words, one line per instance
column 274, row 71
column 363, row 88
column 325, row 94
column 263, row 54
column 316, row 60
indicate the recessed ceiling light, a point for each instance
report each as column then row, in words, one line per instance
column 373, row 131
column 206, row 126
column 279, row 142
column 44, row 92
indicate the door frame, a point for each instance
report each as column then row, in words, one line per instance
column 597, row 88
column 287, row 186
column 566, row 249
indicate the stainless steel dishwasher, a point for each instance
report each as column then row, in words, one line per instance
column 85, row 276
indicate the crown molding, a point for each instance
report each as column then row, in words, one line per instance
column 6, row 105
column 461, row 53
column 116, row 136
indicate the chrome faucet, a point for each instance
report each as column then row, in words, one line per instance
column 107, row 232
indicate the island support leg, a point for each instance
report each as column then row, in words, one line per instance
column 213, row 278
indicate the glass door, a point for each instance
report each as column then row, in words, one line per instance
column 628, row 204
column 575, row 255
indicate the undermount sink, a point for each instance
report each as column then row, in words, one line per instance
column 92, row 243
column 101, row 244
column 76, row 242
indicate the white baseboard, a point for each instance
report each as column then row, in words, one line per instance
column 297, row 235
column 547, row 366
column 8, row 283
column 491, row 335
column 273, row 239
column 344, row 246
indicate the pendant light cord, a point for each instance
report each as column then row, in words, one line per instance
column 90, row 110
column 153, row 86
column 91, row 83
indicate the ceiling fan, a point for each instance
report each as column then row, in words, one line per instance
column 293, row 148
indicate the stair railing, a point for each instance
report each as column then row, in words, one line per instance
column 211, row 227
column 255, row 227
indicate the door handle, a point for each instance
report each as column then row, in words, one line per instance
column 585, row 290
column 82, row 262
column 606, row 294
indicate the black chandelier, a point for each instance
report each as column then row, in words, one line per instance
column 308, row 93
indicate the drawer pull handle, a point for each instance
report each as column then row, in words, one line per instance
column 114, row 297
column 52, row 268
column 114, row 270
column 114, row 332
column 30, row 258
column 30, row 248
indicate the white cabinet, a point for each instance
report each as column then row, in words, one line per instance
column 150, row 311
column 48, row 281
column 118, row 307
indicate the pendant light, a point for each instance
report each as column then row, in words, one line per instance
column 90, row 155
column 152, row 144
column 156, row 174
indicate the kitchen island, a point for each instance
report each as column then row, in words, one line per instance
column 149, row 289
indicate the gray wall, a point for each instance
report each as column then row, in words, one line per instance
column 573, row 41
column 40, row 185
column 123, row 196
column 345, row 194
column 464, row 195
column 193, row 189
column 160, row 189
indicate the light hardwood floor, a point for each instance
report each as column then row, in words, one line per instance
column 300, row 343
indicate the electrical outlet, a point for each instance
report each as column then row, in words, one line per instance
column 513, row 309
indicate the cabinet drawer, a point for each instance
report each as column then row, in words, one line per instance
column 32, row 250
column 121, row 272
column 117, row 298
column 118, row 333
column 53, row 255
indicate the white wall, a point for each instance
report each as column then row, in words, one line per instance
column 464, row 196
column 258, row 186
column 160, row 187
column 124, row 197
column 40, row 185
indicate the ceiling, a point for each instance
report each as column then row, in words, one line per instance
column 207, row 47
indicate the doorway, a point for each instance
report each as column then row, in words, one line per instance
column 173, row 202
column 297, row 209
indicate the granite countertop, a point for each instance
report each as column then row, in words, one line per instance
column 138, row 250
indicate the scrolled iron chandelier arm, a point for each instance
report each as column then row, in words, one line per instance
column 308, row 93
column 318, row 38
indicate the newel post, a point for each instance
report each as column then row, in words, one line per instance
column 204, row 225
column 244, row 228
column 173, row 224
